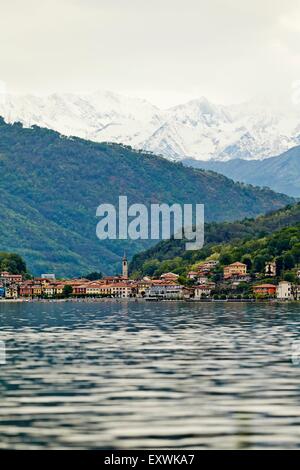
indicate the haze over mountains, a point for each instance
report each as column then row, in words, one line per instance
column 281, row 173
column 198, row 129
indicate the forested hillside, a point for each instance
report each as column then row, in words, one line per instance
column 171, row 255
column 51, row 186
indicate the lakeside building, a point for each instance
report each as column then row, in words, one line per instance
column 288, row 291
column 11, row 292
column 268, row 290
column 203, row 291
column 7, row 277
column 284, row 291
column 165, row 292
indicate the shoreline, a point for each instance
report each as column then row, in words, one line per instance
column 135, row 300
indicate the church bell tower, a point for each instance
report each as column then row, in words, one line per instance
column 125, row 266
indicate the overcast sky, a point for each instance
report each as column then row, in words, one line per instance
column 167, row 51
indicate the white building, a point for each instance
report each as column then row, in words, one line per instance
column 50, row 277
column 11, row 292
column 202, row 280
column 167, row 292
column 202, row 291
column 288, row 291
column 270, row 269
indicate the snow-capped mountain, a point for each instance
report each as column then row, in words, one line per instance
column 197, row 129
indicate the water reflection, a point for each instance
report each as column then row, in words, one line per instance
column 139, row 375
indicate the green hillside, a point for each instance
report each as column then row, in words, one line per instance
column 282, row 246
column 170, row 255
column 51, row 185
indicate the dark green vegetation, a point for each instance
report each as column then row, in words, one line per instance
column 281, row 173
column 12, row 263
column 50, row 187
column 283, row 247
column 252, row 238
column 93, row 276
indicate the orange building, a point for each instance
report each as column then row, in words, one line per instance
column 268, row 290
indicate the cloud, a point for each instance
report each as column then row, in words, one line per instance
column 227, row 50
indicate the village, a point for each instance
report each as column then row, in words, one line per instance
column 235, row 284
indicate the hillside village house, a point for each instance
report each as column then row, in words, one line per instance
column 193, row 275
column 169, row 277
column 235, row 269
column 207, row 267
column 202, row 280
column 237, row 280
column 270, row 269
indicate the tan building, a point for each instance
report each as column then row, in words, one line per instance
column 96, row 288
column 37, row 290
column 50, row 290
column 235, row 269
column 121, row 290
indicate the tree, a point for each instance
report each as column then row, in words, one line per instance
column 290, row 277
column 259, row 264
column 279, row 265
column 248, row 261
column 12, row 263
column 225, row 259
column 67, row 291
column 288, row 261
column 94, row 276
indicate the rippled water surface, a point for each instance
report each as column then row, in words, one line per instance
column 142, row 375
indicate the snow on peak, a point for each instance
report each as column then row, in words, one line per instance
column 198, row 128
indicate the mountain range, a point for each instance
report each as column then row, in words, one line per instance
column 197, row 129
column 281, row 173
column 51, row 186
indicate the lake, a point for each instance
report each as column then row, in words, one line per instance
column 133, row 375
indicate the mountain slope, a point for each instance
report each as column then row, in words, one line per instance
column 171, row 255
column 51, row 186
column 281, row 173
column 196, row 129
